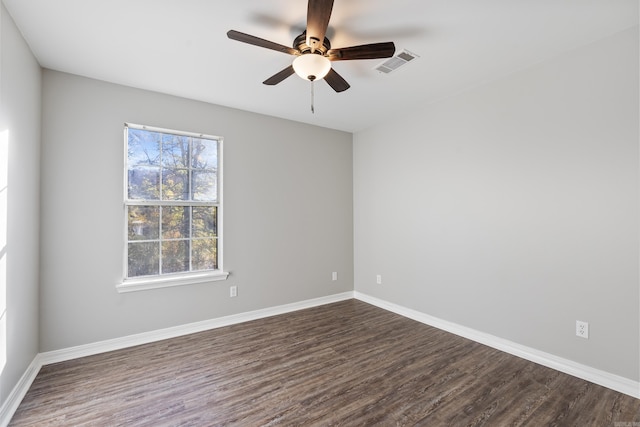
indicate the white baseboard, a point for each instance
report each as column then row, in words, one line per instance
column 603, row 378
column 177, row 331
column 17, row 394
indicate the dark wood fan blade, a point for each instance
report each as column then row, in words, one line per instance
column 257, row 41
column 278, row 77
column 365, row 51
column 336, row 81
column 318, row 15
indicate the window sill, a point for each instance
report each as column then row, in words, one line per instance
column 147, row 283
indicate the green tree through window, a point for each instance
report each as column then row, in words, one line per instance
column 172, row 201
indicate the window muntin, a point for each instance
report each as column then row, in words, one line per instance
column 173, row 202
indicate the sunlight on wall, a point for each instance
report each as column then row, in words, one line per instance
column 4, row 204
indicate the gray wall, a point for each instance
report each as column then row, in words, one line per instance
column 20, row 78
column 287, row 213
column 513, row 208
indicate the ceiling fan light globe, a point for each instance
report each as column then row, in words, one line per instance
column 311, row 66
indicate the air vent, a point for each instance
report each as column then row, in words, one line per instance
column 392, row 64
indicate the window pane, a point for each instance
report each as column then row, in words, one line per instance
column 204, row 221
column 204, row 254
column 143, row 147
column 175, row 256
column 175, row 184
column 178, row 169
column 205, row 186
column 144, row 183
column 144, row 222
column 175, row 222
column 205, row 154
column 175, row 151
column 144, row 259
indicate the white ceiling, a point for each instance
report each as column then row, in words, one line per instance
column 180, row 47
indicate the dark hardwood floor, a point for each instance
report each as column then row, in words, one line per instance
column 347, row 363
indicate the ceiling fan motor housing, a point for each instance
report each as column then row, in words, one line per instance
column 300, row 44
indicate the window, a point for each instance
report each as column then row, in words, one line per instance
column 173, row 208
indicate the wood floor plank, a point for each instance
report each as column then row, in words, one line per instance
column 347, row 364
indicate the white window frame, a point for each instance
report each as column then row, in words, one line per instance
column 172, row 279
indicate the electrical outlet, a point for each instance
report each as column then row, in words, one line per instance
column 582, row 329
column 334, row 276
column 379, row 279
column 233, row 291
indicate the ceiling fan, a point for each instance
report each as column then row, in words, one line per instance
column 313, row 50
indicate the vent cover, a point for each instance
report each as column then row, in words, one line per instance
column 396, row 62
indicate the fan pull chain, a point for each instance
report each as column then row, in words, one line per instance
column 313, row 111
